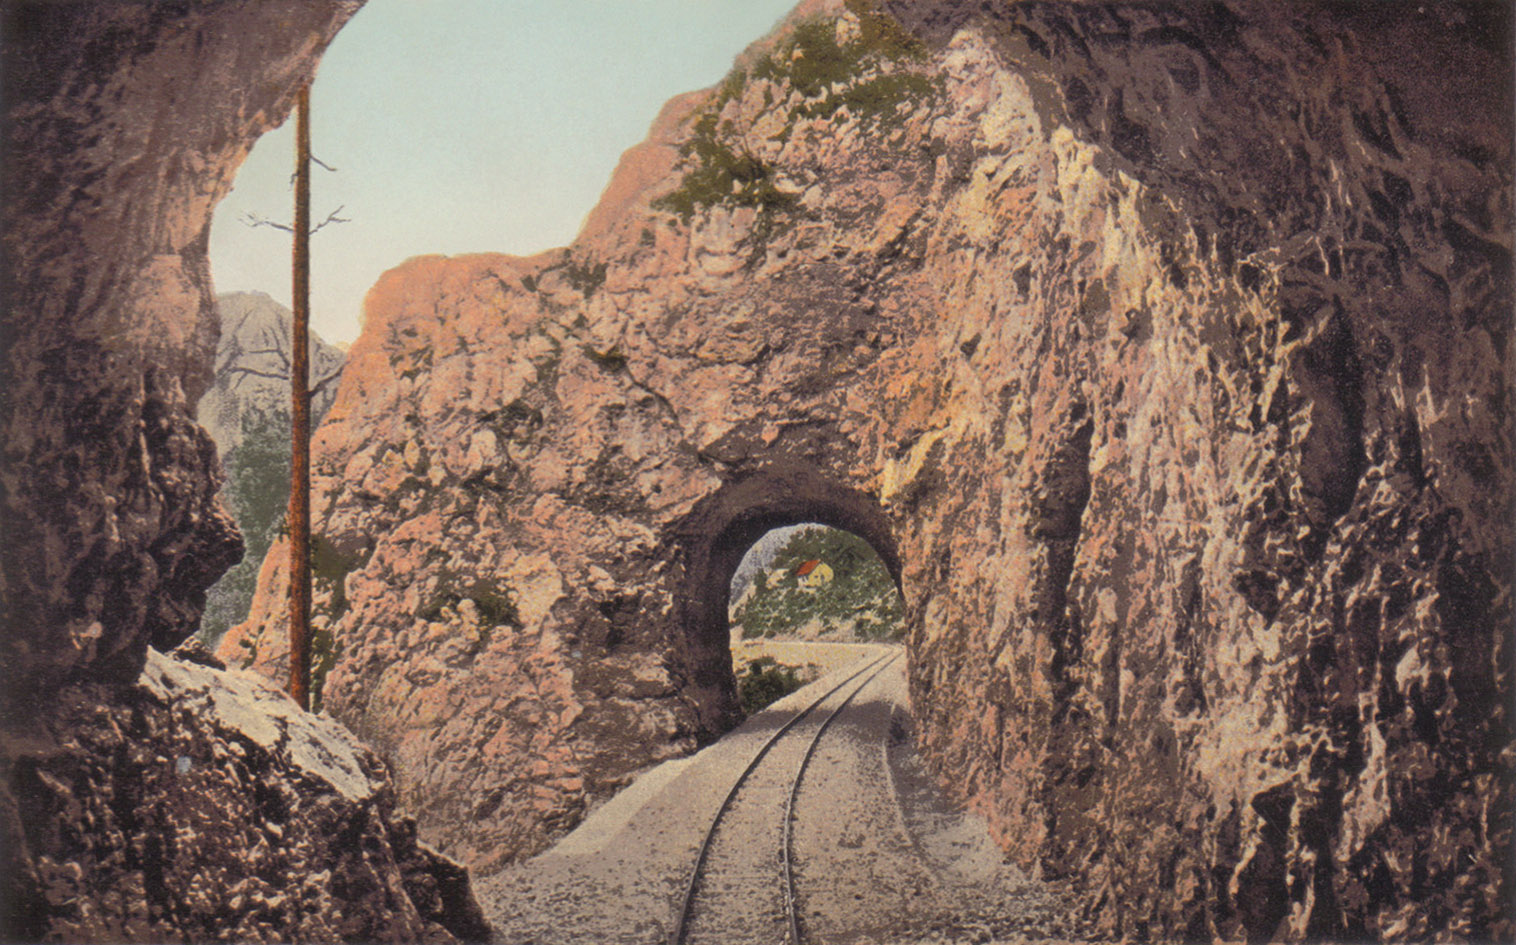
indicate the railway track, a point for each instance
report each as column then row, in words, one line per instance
column 874, row 852
column 742, row 903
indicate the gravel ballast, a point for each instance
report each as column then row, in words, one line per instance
column 879, row 856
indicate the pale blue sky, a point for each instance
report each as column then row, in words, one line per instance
column 461, row 126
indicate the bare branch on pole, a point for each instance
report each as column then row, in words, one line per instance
column 253, row 219
column 330, row 218
column 254, row 372
column 320, row 385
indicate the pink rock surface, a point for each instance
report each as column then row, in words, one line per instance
column 1166, row 352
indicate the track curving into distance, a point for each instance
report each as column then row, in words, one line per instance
column 878, row 854
column 686, row 913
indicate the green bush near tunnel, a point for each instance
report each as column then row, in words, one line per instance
column 764, row 682
column 861, row 597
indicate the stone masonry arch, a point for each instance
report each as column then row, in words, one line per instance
column 711, row 541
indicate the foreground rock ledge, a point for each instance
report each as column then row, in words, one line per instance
column 202, row 805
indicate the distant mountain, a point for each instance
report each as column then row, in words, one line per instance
column 247, row 413
column 252, row 367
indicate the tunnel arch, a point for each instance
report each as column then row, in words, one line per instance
column 710, row 543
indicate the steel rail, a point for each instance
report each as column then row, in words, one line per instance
column 681, row 918
column 787, row 854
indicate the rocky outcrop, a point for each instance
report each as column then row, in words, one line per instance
column 1248, row 625
column 175, row 803
column 203, row 805
column 125, row 125
column 1166, row 353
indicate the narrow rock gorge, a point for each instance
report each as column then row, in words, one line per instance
column 1162, row 352
column 1163, row 348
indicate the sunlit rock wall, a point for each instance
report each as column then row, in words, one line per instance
column 1174, row 343
column 1231, row 558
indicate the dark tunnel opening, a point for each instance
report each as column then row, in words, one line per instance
column 806, row 600
column 711, row 544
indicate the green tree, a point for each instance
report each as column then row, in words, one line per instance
column 860, row 595
column 765, row 682
column 257, row 493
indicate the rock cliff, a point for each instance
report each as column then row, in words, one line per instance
column 125, row 125
column 1163, row 352
column 141, row 798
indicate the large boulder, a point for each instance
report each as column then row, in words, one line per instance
column 204, row 805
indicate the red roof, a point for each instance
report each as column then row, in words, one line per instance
column 807, row 568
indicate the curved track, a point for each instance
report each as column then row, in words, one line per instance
column 874, row 852
column 758, row 798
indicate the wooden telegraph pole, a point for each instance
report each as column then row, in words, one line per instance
column 300, row 416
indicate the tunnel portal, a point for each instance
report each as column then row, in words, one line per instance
column 711, row 542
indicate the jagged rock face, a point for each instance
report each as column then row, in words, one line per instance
column 1248, row 627
column 252, row 368
column 203, row 805
column 1164, row 352
column 175, row 803
column 125, row 124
